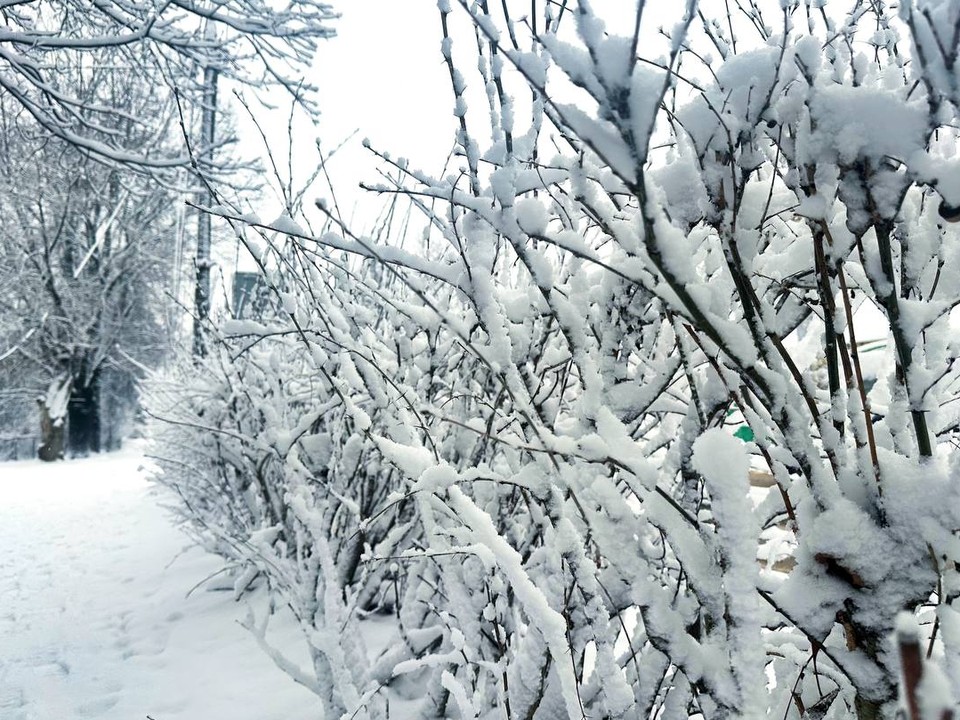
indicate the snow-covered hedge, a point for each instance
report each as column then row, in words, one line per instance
column 533, row 436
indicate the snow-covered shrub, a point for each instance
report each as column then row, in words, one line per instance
column 802, row 180
column 626, row 307
column 272, row 442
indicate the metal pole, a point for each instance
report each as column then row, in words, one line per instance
column 207, row 135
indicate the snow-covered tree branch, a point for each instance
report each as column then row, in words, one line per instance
column 252, row 42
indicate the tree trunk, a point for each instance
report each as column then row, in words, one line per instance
column 53, row 411
column 51, row 434
column 83, row 413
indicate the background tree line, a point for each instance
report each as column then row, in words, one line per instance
column 100, row 146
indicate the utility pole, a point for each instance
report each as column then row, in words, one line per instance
column 208, row 121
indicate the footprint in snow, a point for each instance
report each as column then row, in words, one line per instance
column 96, row 707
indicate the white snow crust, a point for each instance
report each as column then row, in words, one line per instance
column 97, row 617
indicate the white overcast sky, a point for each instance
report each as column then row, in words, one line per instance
column 383, row 76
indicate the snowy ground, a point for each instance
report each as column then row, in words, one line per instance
column 95, row 618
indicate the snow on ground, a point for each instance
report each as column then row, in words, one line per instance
column 95, row 618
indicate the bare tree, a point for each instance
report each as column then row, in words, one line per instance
column 95, row 95
column 252, row 42
column 88, row 251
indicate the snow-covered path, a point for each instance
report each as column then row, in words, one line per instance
column 95, row 621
